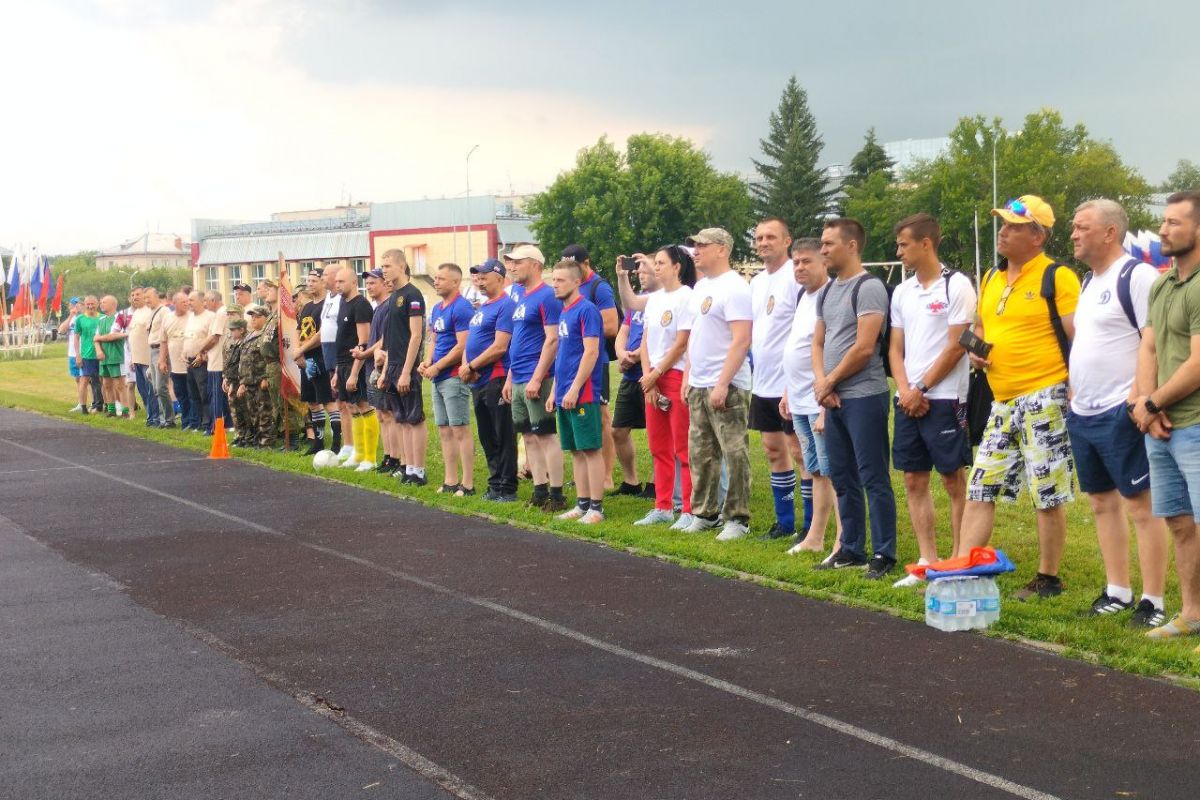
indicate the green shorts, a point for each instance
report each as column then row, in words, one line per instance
column 531, row 416
column 579, row 428
column 110, row 370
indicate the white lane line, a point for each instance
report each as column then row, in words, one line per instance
column 110, row 464
column 831, row 723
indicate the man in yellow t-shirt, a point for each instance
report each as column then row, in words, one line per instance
column 1026, row 440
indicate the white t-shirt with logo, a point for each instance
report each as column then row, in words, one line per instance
column 1104, row 351
column 925, row 313
column 329, row 317
column 797, row 356
column 716, row 302
column 661, row 321
column 773, row 296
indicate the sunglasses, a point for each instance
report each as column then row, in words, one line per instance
column 1003, row 300
column 1020, row 209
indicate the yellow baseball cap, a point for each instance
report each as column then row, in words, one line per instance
column 1025, row 209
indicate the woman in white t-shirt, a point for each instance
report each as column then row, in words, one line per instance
column 664, row 346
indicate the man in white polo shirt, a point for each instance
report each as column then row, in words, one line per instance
column 929, row 313
column 774, row 293
column 1110, row 453
column 717, row 383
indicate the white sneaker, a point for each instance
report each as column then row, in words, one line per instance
column 365, row 466
column 911, row 580
column 681, row 524
column 591, row 517
column 656, row 516
column 351, row 462
column 700, row 525
column 347, row 452
column 76, row 409
column 574, row 512
column 829, row 558
column 732, row 530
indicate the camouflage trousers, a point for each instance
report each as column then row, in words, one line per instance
column 260, row 415
column 295, row 418
column 239, row 411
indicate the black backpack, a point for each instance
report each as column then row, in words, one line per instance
column 885, row 330
column 979, row 392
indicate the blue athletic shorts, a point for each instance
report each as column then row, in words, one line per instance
column 1110, row 452
column 937, row 440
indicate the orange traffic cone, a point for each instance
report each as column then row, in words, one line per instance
column 220, row 447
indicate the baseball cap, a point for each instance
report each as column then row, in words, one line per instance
column 316, row 272
column 256, row 310
column 575, row 252
column 274, row 284
column 237, row 323
column 712, row 236
column 491, row 265
column 525, row 251
column 241, row 286
column 233, row 308
column 373, row 273
column 1025, row 209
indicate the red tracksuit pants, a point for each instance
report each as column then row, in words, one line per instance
column 667, row 433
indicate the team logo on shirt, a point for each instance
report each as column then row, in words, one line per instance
column 562, row 329
column 439, row 324
column 477, row 320
column 667, row 316
column 636, row 318
column 1105, row 297
column 519, row 314
column 706, row 305
column 770, row 304
column 937, row 307
column 1029, row 295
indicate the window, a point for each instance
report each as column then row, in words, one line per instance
column 234, row 272
column 212, row 279
column 258, row 273
column 359, row 265
column 417, row 259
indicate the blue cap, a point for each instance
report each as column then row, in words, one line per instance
column 491, row 265
column 373, row 273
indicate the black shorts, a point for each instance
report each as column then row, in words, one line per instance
column 938, row 440
column 315, row 390
column 407, row 409
column 359, row 394
column 605, row 386
column 629, row 411
column 765, row 416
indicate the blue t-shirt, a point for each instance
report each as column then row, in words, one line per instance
column 634, row 320
column 490, row 317
column 580, row 320
column 447, row 321
column 378, row 321
column 535, row 310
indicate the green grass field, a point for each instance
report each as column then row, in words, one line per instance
column 43, row 385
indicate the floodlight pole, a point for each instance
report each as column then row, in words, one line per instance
column 470, row 262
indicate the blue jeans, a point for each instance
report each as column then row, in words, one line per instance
column 141, row 377
column 1175, row 472
column 188, row 417
column 218, row 403
column 856, row 440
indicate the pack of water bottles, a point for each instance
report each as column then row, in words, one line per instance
column 962, row 603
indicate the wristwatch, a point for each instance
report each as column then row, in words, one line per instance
column 921, row 387
column 1152, row 406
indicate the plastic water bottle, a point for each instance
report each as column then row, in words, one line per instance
column 990, row 601
column 962, row 603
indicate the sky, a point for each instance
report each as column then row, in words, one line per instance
column 122, row 116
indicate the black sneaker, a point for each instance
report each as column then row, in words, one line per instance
column 1104, row 605
column 627, row 490
column 1147, row 615
column 1041, row 586
column 499, row 497
column 407, row 477
column 842, row 559
column 387, row 465
column 648, row 492
column 776, row 532
column 879, row 566
column 538, row 501
column 418, row 480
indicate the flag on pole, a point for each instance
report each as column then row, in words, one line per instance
column 56, row 303
column 44, row 294
column 289, row 383
column 14, row 276
column 35, row 278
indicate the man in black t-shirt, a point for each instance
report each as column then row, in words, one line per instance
column 353, row 330
column 403, row 336
column 314, row 378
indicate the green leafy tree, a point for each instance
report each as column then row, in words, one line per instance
column 660, row 190
column 791, row 186
column 83, row 278
column 1046, row 157
column 1186, row 175
column 868, row 161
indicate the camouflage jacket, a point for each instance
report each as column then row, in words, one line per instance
column 233, row 358
column 269, row 342
column 252, row 363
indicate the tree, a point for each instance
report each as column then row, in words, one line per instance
column 791, row 186
column 83, row 278
column 1061, row 164
column 1185, row 176
column 868, row 161
column 659, row 191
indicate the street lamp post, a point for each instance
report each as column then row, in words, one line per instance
column 470, row 152
column 995, row 204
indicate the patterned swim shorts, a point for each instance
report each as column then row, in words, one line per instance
column 1026, row 442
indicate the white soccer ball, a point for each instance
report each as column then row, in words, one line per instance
column 324, row 459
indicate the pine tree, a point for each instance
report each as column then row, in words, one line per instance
column 792, row 186
column 870, row 159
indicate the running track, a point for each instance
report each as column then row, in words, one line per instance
column 301, row 638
